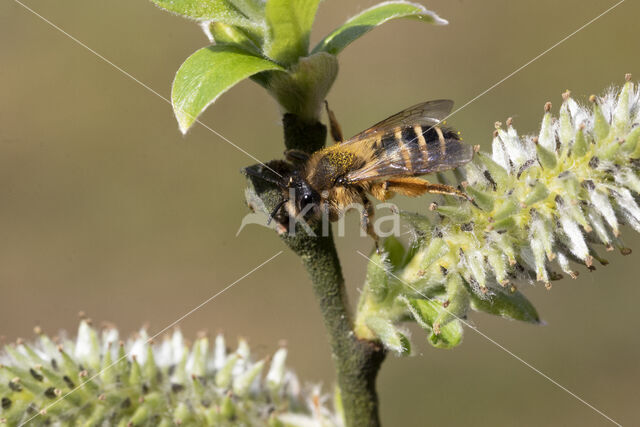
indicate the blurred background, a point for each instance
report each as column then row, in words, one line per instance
column 105, row 207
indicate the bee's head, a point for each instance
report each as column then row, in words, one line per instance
column 304, row 198
column 297, row 195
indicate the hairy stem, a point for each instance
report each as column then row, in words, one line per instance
column 357, row 361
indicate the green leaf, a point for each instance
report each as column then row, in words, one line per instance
column 388, row 334
column 506, row 303
column 367, row 20
column 377, row 278
column 208, row 10
column 228, row 34
column 395, row 250
column 207, row 74
column 426, row 313
column 288, row 27
column 415, row 220
column 457, row 302
column 302, row 90
column 254, row 9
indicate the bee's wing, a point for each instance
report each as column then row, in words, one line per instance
column 414, row 156
column 408, row 144
column 428, row 114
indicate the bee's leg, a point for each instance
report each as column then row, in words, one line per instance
column 412, row 187
column 334, row 126
column 296, row 156
column 447, row 190
column 366, row 220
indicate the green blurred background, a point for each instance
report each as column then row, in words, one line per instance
column 105, row 207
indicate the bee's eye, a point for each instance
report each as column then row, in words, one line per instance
column 307, row 199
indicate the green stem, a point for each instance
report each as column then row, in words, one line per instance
column 357, row 361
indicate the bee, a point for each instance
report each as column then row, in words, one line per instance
column 382, row 161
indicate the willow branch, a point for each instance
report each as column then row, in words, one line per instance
column 357, row 361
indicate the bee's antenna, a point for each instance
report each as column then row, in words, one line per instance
column 276, row 209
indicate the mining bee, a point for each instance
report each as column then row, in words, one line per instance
column 382, row 161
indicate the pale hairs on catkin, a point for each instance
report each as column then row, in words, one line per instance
column 544, row 201
column 541, row 206
column 137, row 381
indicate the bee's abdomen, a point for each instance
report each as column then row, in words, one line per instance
column 416, row 146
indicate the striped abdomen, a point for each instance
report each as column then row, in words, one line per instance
column 418, row 150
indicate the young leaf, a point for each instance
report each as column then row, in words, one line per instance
column 425, row 312
column 389, row 335
column 302, row 90
column 377, row 278
column 395, row 250
column 221, row 33
column 207, row 10
column 254, row 9
column 507, row 304
column 207, row 74
column 367, row 20
column 288, row 27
